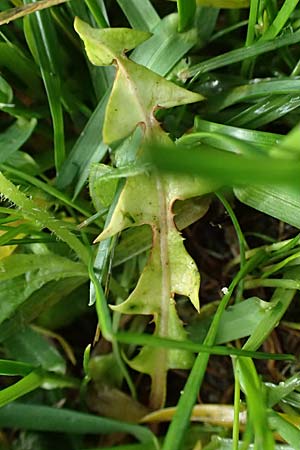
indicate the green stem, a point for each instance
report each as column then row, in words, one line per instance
column 159, row 378
column 242, row 243
column 236, row 418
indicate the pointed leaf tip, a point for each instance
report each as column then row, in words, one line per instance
column 104, row 45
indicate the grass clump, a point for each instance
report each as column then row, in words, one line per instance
column 149, row 258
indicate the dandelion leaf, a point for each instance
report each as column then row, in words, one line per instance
column 105, row 45
column 148, row 198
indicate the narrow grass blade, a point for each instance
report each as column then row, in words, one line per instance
column 27, row 384
column 157, row 342
column 88, row 148
column 280, row 20
column 289, row 432
column 186, row 12
column 166, row 47
column 265, row 111
column 277, row 392
column 240, row 54
column 278, row 305
column 253, row 388
column 141, row 16
column 95, row 9
column 251, row 91
column 11, row 368
column 13, row 59
column 282, row 203
column 144, row 446
column 41, row 36
column 224, row 167
column 44, row 418
column 259, row 139
column 220, row 141
column 32, row 381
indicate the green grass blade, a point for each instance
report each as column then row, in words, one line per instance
column 157, row 342
column 259, row 139
column 41, row 36
column 11, row 368
column 277, row 392
column 282, row 203
column 267, row 110
column 27, row 384
column 87, row 149
column 219, row 443
column 252, row 91
column 13, row 59
column 95, row 9
column 31, row 382
column 257, row 411
column 141, row 15
column 144, row 446
column 166, row 47
column 44, row 418
column 289, row 432
column 186, row 12
column 225, row 168
column 220, row 141
column 278, row 305
column 280, row 20
column 252, row 22
column 240, row 54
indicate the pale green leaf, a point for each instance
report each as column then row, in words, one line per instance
column 136, row 88
column 147, row 198
column 104, row 45
column 149, row 357
column 140, row 91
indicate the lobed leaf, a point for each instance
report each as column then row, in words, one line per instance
column 103, row 46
